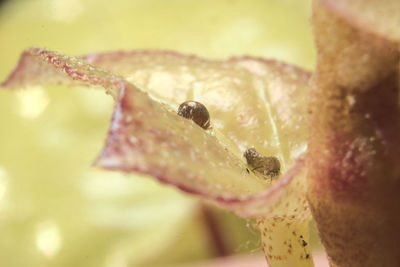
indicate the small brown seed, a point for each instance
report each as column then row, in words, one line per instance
column 267, row 167
column 196, row 112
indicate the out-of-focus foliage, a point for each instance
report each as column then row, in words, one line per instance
column 57, row 211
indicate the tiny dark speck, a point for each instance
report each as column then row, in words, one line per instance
column 304, row 243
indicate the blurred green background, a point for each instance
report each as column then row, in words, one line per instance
column 55, row 210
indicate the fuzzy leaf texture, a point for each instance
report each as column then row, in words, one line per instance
column 354, row 178
column 252, row 103
column 374, row 16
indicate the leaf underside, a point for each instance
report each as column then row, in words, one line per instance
column 252, row 103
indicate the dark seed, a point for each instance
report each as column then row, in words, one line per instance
column 304, row 243
column 268, row 167
column 196, row 112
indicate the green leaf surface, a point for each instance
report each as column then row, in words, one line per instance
column 252, row 103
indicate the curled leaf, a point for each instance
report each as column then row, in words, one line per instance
column 249, row 101
column 252, row 103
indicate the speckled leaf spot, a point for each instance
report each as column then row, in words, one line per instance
column 250, row 103
column 285, row 236
column 290, row 247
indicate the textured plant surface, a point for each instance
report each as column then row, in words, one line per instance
column 53, row 205
column 147, row 136
column 354, row 178
column 350, row 129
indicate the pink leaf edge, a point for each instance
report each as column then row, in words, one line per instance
column 42, row 67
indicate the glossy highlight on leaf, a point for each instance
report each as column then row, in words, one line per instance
column 252, row 103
